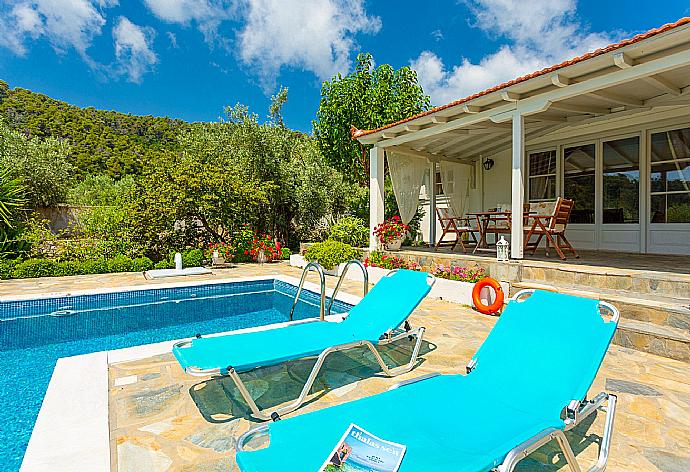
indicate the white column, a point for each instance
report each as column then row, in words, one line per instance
column 518, row 186
column 432, row 204
column 376, row 179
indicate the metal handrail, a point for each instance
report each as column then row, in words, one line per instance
column 317, row 267
column 342, row 276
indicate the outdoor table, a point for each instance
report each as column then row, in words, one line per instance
column 484, row 219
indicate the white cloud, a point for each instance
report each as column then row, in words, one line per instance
column 207, row 14
column 67, row 24
column 172, row 37
column 133, row 53
column 315, row 35
column 539, row 33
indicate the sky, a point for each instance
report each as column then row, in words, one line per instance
column 188, row 59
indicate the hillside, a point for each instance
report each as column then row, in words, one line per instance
column 103, row 142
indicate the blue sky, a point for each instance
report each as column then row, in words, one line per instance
column 189, row 58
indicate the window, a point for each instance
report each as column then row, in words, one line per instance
column 439, row 185
column 542, row 176
column 579, row 181
column 670, row 177
column 621, row 160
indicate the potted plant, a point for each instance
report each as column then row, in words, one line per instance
column 220, row 253
column 455, row 284
column 391, row 233
column 330, row 254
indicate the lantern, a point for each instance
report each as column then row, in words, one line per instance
column 502, row 250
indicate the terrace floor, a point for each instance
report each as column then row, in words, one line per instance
column 164, row 420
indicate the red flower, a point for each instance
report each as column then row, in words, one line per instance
column 246, row 252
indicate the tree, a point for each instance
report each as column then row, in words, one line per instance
column 367, row 98
column 183, row 200
column 41, row 165
column 101, row 142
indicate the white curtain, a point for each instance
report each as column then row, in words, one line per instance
column 455, row 179
column 407, row 173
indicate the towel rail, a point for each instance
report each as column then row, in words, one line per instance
column 322, row 307
column 365, row 275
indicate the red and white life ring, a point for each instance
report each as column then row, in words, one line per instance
column 476, row 298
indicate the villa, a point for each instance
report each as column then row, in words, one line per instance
column 250, row 367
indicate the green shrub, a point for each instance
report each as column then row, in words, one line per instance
column 120, row 263
column 285, row 253
column 93, row 266
column 164, row 264
column 67, row 268
column 192, row 258
column 32, row 268
column 7, row 268
column 350, row 230
column 141, row 264
column 330, row 253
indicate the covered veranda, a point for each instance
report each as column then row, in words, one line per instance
column 609, row 129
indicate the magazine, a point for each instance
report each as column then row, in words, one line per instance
column 360, row 451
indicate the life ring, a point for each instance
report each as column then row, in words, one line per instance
column 476, row 299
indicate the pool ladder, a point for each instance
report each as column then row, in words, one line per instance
column 315, row 266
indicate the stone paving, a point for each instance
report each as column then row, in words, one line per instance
column 164, row 420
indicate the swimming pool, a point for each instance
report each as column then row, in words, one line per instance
column 35, row 333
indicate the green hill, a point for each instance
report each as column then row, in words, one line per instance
column 103, row 142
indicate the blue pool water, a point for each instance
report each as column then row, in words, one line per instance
column 35, row 333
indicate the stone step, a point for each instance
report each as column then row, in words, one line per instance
column 654, row 339
column 632, row 281
column 659, row 325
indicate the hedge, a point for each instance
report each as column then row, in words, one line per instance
column 32, row 268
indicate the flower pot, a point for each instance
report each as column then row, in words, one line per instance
column 394, row 245
column 297, row 260
column 374, row 273
column 461, row 292
column 217, row 261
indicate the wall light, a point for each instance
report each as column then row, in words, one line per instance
column 488, row 163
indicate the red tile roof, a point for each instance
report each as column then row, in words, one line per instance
column 357, row 133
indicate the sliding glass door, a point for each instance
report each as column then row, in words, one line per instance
column 579, row 184
column 602, row 177
column 620, row 195
column 669, row 185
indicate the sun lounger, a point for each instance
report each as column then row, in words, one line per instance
column 375, row 320
column 525, row 387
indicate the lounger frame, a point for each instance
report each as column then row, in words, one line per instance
column 275, row 413
column 575, row 412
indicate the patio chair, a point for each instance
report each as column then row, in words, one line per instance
column 550, row 225
column 525, row 387
column 451, row 224
column 374, row 321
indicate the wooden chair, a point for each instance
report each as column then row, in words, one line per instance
column 552, row 227
column 451, row 224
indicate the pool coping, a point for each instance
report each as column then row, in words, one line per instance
column 72, row 430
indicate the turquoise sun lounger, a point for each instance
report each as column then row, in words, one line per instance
column 375, row 320
column 526, row 386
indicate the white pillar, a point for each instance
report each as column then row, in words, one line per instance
column 432, row 204
column 518, row 187
column 376, row 179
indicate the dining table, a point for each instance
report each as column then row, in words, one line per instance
column 484, row 220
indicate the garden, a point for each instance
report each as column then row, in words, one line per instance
column 85, row 191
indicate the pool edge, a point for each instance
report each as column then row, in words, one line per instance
column 77, row 442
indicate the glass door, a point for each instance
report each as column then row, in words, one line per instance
column 579, row 185
column 620, row 195
column 669, row 184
